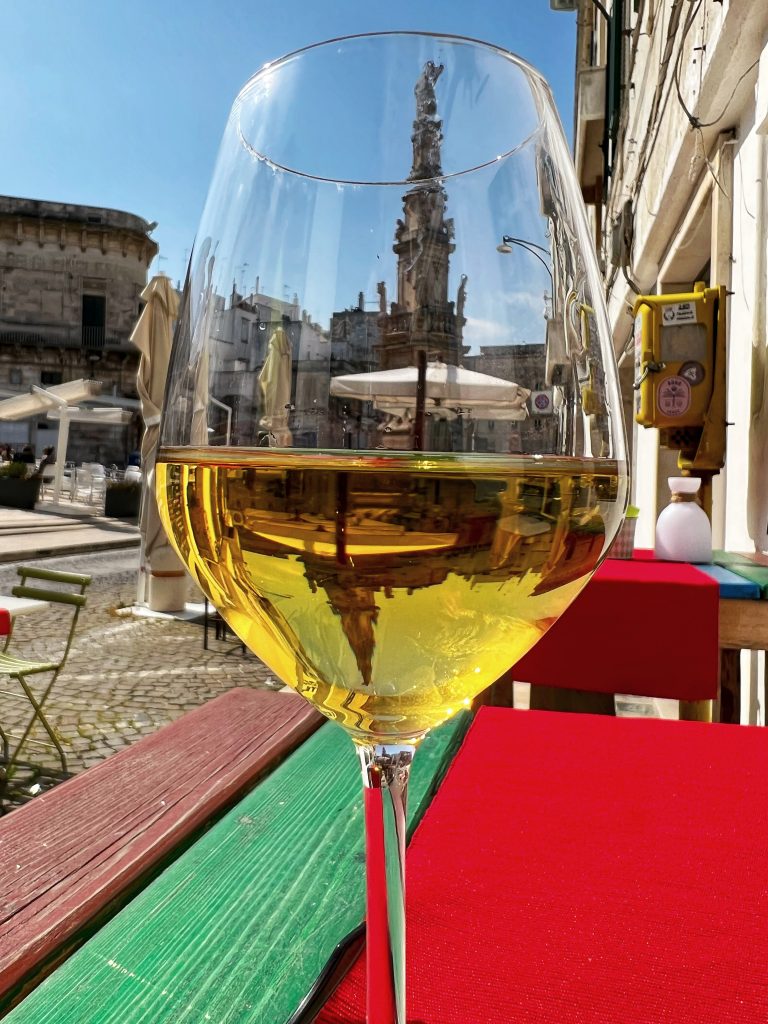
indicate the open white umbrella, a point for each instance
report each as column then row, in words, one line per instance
column 39, row 400
column 446, row 387
column 153, row 336
column 56, row 397
column 275, row 383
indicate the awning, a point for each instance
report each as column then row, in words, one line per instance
column 106, row 417
column 40, row 400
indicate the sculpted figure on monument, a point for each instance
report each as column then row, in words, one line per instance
column 426, row 104
column 461, row 298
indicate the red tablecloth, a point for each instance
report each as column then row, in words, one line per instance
column 5, row 622
column 639, row 626
column 581, row 869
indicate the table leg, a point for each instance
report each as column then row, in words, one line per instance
column 730, row 686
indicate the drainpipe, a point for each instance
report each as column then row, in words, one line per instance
column 757, row 484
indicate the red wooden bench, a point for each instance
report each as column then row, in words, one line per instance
column 73, row 856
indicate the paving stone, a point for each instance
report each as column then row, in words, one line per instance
column 125, row 676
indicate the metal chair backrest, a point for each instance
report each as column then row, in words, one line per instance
column 75, row 598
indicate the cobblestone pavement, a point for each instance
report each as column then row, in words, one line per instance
column 125, row 676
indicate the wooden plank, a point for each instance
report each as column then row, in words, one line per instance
column 239, row 927
column 758, row 557
column 744, row 625
column 730, row 558
column 731, row 584
column 746, row 568
column 84, row 846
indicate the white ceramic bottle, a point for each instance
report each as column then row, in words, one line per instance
column 683, row 531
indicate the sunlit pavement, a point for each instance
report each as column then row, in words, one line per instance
column 66, row 528
column 126, row 675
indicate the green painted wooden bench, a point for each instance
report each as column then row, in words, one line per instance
column 69, row 859
column 239, row 927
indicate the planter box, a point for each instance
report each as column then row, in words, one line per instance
column 122, row 503
column 19, row 493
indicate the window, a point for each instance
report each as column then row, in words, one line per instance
column 94, row 321
column 244, row 330
column 15, row 376
column 48, row 377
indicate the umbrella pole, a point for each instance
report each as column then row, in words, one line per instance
column 61, row 455
column 421, row 400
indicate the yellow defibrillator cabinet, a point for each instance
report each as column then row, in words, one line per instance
column 680, row 373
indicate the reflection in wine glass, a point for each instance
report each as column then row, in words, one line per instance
column 391, row 498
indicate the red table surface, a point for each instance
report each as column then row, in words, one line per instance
column 5, row 622
column 578, row 869
column 639, row 626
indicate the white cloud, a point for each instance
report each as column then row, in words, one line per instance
column 524, row 322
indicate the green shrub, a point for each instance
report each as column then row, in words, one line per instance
column 14, row 470
column 126, row 486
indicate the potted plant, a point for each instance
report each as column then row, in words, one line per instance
column 122, row 499
column 17, row 490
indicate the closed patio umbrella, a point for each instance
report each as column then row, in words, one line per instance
column 275, row 384
column 153, row 336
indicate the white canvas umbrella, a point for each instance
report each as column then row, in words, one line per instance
column 104, row 417
column 56, row 398
column 37, row 401
column 152, row 336
column 203, row 305
column 275, row 384
column 445, row 387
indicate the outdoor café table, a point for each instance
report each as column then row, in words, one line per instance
column 582, row 868
column 641, row 627
column 21, row 605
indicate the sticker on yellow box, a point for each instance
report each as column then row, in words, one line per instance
column 693, row 372
column 674, row 396
column 679, row 313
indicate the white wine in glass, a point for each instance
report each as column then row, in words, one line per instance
column 392, row 449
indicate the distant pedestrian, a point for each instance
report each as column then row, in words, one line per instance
column 25, row 455
column 6, row 453
column 48, row 459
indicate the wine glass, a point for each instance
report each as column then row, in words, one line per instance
column 392, row 448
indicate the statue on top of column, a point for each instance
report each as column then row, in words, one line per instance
column 427, row 128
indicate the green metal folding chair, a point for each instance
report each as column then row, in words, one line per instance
column 18, row 668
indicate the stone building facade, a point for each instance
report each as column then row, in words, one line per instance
column 671, row 149
column 71, row 279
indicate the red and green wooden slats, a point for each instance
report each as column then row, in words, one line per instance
column 238, row 928
column 73, row 856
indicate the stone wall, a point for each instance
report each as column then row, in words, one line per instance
column 51, row 256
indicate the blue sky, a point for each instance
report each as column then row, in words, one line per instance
column 123, row 104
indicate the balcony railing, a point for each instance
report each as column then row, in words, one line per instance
column 93, row 337
column 90, row 338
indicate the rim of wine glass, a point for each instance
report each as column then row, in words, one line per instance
column 531, row 73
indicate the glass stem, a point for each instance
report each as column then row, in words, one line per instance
column 386, row 768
